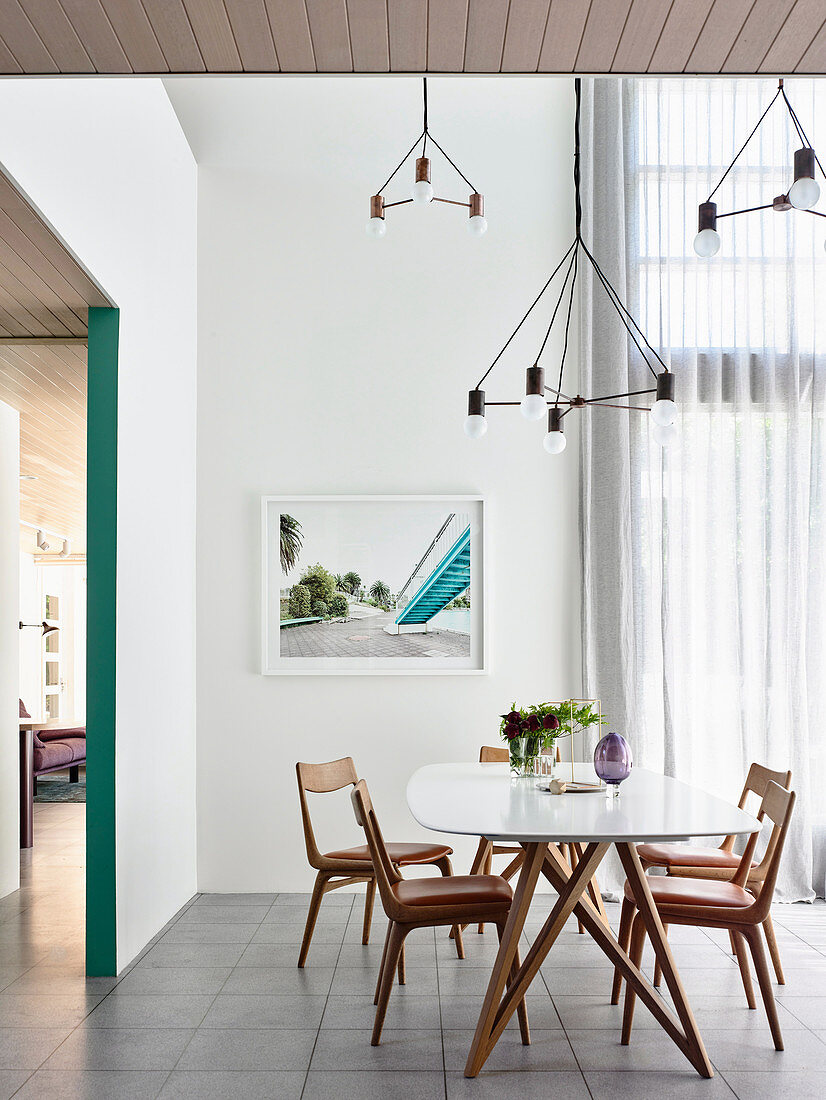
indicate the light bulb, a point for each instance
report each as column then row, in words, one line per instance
column 707, row 243
column 664, row 434
column 804, row 193
column 533, row 406
column 475, row 427
column 664, row 413
column 555, row 442
column 376, row 227
column 477, row 225
column 422, row 192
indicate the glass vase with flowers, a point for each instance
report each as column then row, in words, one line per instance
column 527, row 731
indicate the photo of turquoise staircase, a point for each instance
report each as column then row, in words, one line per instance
column 449, row 579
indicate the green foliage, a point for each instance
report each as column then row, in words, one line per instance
column 321, row 584
column 351, row 582
column 290, row 542
column 337, row 577
column 546, row 722
column 459, row 602
column 299, row 602
column 320, row 608
column 339, row 608
column 380, row 593
column 285, row 609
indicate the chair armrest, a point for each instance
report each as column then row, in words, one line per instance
column 57, row 733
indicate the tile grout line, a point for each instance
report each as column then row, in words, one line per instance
column 327, row 998
column 565, row 1033
column 215, row 995
column 441, row 1019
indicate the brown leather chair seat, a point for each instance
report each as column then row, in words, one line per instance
column 687, row 855
column 696, row 891
column 455, row 891
column 403, row 855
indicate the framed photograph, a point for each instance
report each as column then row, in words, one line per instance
column 376, row 584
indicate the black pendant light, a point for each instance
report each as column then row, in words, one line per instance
column 422, row 192
column 803, row 193
column 540, row 399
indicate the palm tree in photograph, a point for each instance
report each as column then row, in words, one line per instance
column 290, row 542
column 380, row 593
column 340, row 585
column 352, row 582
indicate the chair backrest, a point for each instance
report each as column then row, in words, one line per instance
column 777, row 805
column 496, row 754
column 493, row 754
column 386, row 874
column 321, row 779
column 756, row 780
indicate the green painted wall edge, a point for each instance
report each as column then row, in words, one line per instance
column 101, row 563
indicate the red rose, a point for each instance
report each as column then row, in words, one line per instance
column 533, row 723
column 550, row 722
column 512, row 730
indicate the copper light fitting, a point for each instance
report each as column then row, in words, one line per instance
column 803, row 193
column 541, row 400
column 422, row 192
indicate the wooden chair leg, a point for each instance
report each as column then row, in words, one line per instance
column 382, row 964
column 635, row 954
column 476, row 866
column 446, row 867
column 402, row 967
column 658, row 970
column 774, row 950
column 395, row 942
column 312, row 914
column 732, row 941
column 460, row 943
column 624, row 938
column 745, row 972
column 521, row 1008
column 764, row 981
column 368, row 911
column 486, row 870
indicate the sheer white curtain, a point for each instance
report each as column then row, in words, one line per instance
column 704, row 605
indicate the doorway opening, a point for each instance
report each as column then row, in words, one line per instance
column 58, row 389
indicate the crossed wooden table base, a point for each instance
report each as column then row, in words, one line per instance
column 572, row 886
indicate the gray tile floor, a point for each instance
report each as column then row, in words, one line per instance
column 215, row 1007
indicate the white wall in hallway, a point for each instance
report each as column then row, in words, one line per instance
column 331, row 363
column 31, row 641
column 9, row 635
column 125, row 199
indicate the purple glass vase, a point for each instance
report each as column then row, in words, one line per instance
column 612, row 761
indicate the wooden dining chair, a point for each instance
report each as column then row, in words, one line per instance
column 717, row 903
column 483, row 860
column 346, row 866
column 425, row 903
column 690, row 861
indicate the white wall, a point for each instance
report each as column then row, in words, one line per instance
column 333, row 363
column 107, row 163
column 9, row 633
column 31, row 641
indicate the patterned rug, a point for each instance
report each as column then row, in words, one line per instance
column 60, row 790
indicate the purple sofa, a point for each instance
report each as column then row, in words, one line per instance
column 55, row 749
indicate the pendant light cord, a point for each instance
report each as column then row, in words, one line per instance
column 578, row 94
column 424, row 113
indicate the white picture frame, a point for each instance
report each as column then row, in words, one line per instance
column 421, row 547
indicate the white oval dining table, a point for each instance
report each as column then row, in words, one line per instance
column 483, row 800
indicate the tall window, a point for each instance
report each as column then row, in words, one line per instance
column 705, row 592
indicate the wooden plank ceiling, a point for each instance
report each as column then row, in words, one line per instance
column 378, row 36
column 44, row 296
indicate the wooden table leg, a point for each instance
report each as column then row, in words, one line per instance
column 647, row 910
column 480, row 1047
column 497, row 1010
